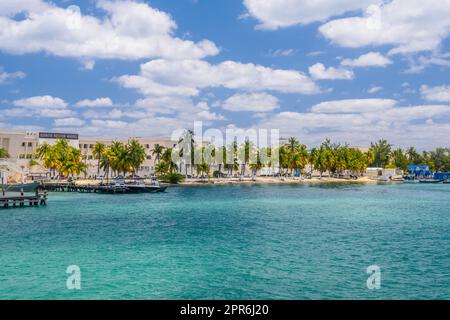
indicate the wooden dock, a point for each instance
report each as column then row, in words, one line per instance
column 107, row 188
column 22, row 200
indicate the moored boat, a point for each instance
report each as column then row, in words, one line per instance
column 141, row 187
column 397, row 179
column 431, row 181
column 19, row 187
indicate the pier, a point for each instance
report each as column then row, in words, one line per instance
column 22, row 200
column 106, row 188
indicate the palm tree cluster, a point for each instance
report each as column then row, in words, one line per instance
column 62, row 159
column 385, row 156
column 295, row 157
column 119, row 158
column 336, row 158
column 3, row 153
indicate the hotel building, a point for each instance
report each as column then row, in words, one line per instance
column 22, row 147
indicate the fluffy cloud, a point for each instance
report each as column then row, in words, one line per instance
column 6, row 77
column 407, row 25
column 354, row 106
column 274, row 14
column 254, row 102
column 11, row 8
column 39, row 106
column 41, row 102
column 360, row 121
column 99, row 102
column 110, row 124
column 188, row 77
column 69, row 122
column 320, row 72
column 129, row 30
column 438, row 94
column 371, row 59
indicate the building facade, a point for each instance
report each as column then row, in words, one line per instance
column 22, row 147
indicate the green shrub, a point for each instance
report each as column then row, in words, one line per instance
column 173, row 178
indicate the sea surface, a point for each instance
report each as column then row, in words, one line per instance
column 232, row 242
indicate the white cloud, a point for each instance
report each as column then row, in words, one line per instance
column 129, row 30
column 39, row 106
column 361, row 122
column 188, row 77
column 406, row 25
column 374, row 89
column 371, row 59
column 41, row 102
column 99, row 102
column 110, row 124
column 282, row 52
column 6, row 77
column 254, row 102
column 320, row 72
column 41, row 112
column 274, row 14
column 438, row 94
column 11, row 8
column 354, row 106
column 420, row 63
column 69, row 122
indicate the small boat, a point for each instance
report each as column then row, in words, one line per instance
column 397, row 179
column 141, row 187
column 383, row 179
column 431, row 181
column 19, row 187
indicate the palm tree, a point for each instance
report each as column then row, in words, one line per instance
column 293, row 143
column 203, row 168
column 105, row 162
column 382, row 152
column 135, row 154
column 167, row 156
column 97, row 151
column 42, row 150
column 3, row 153
column 188, row 145
column 157, row 151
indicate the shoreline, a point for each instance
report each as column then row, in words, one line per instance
column 246, row 181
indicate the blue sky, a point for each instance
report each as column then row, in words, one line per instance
column 355, row 71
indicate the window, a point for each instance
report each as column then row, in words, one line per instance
column 149, row 157
column 23, row 144
column 85, row 146
column 30, row 144
column 91, row 146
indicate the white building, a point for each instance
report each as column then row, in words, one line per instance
column 22, row 147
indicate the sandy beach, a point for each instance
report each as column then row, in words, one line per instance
column 257, row 180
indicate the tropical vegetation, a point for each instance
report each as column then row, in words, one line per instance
column 61, row 159
column 3, row 153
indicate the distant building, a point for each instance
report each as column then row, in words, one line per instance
column 22, row 147
column 419, row 171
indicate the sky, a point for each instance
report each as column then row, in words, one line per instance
column 353, row 71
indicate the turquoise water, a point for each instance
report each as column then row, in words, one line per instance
column 232, row 242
